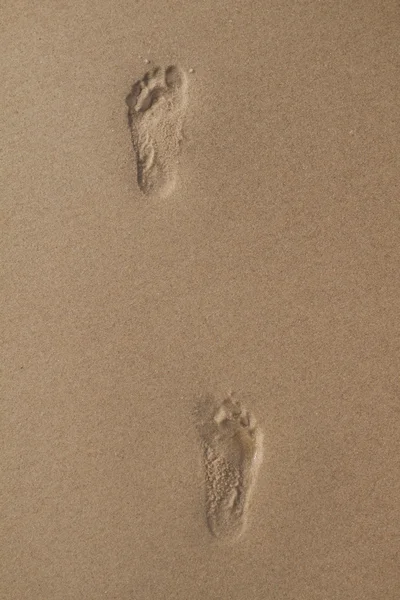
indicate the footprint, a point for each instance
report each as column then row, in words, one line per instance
column 232, row 448
column 157, row 105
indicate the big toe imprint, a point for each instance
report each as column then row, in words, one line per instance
column 157, row 104
column 232, row 445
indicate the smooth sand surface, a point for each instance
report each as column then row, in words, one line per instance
column 266, row 270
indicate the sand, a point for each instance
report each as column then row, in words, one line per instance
column 198, row 272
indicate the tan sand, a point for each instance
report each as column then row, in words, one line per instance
column 255, row 263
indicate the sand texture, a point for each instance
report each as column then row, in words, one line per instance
column 200, row 291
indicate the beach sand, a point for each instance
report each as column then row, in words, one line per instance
column 198, row 272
